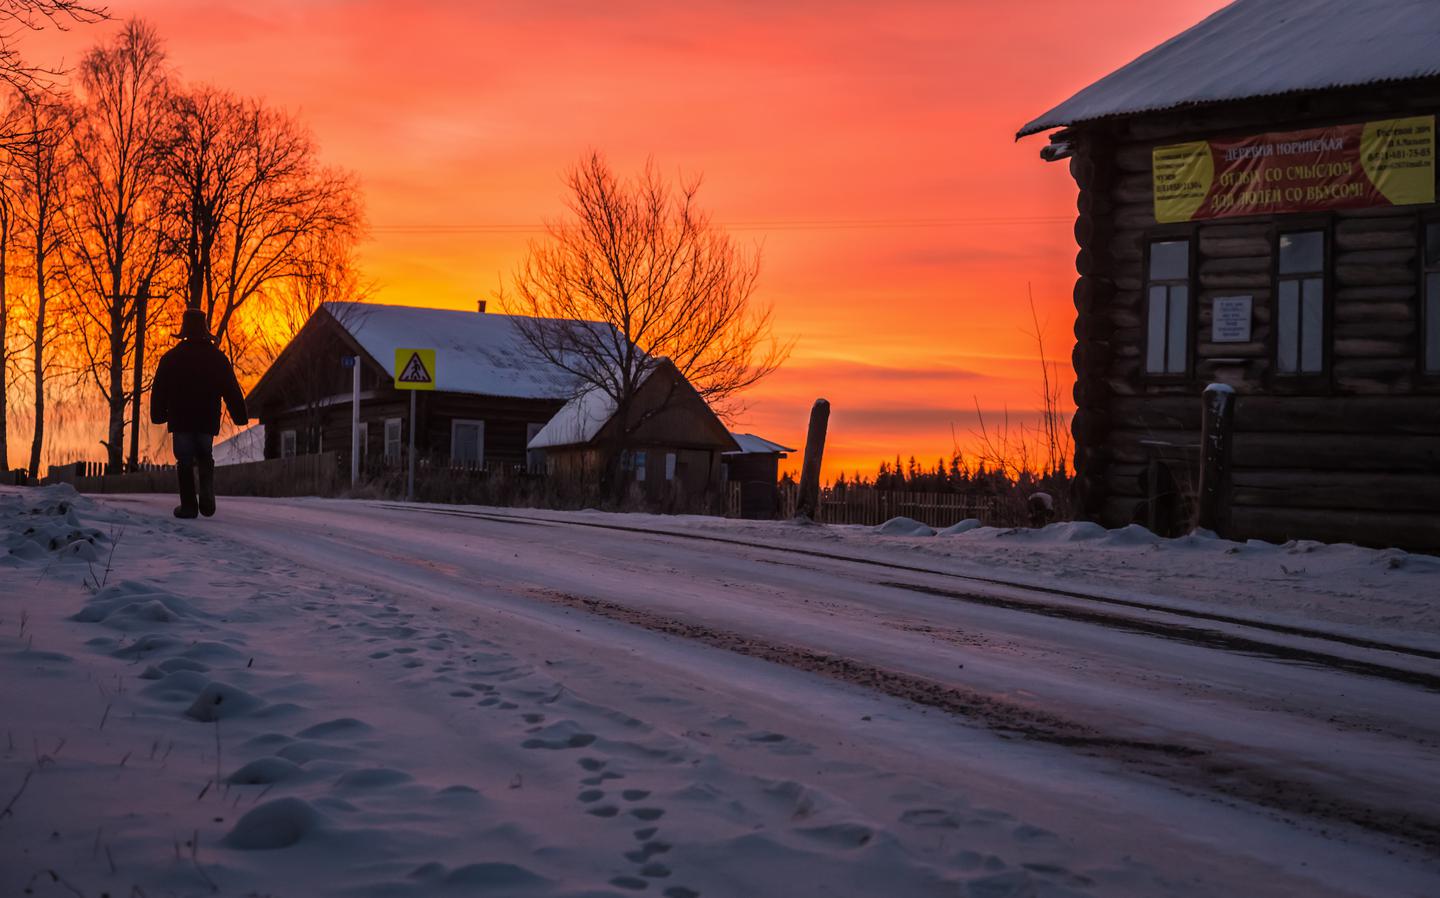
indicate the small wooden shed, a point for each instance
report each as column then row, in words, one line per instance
column 673, row 443
column 1257, row 208
column 755, row 468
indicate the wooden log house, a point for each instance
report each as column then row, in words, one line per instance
column 1257, row 208
column 492, row 395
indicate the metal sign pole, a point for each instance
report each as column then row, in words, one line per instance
column 410, row 481
column 355, row 425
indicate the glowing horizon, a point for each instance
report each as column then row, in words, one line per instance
column 867, row 150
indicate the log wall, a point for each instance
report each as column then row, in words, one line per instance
column 1352, row 455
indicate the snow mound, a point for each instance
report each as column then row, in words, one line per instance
column 372, row 778
column 1073, row 531
column 128, row 606
column 218, row 701
column 264, row 771
column 340, row 728
column 1131, row 535
column 960, row 527
column 905, row 527
column 276, row 824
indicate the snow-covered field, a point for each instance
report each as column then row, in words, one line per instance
column 311, row 697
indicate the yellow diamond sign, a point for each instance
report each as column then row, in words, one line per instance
column 414, row 369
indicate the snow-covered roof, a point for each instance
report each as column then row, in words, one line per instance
column 246, row 446
column 578, row 422
column 750, row 443
column 1258, row 48
column 475, row 352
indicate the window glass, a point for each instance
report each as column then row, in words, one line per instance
column 669, row 466
column 1302, row 252
column 467, row 442
column 1170, row 260
column 392, row 439
column 1432, row 246
column 1155, row 333
column 1312, row 326
column 1287, row 343
column 640, row 465
column 287, row 444
column 1179, row 322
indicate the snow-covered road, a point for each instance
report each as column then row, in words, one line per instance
column 539, row 703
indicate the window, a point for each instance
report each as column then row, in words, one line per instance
column 1168, row 308
column 534, row 458
column 640, row 466
column 364, row 432
column 669, row 466
column 287, row 444
column 1431, row 313
column 1300, row 304
column 467, row 443
column 392, row 439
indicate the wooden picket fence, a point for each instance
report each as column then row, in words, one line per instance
column 305, row 475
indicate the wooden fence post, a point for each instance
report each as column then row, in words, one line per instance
column 809, row 501
column 1218, row 416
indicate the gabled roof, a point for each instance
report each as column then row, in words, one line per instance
column 581, row 419
column 751, row 444
column 1259, row 48
column 585, row 418
column 475, row 352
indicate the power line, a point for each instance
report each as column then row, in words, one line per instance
column 834, row 224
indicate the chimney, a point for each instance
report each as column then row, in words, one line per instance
column 480, row 304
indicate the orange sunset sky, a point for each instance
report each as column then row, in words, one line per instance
column 867, row 147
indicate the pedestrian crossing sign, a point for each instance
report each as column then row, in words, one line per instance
column 414, row 369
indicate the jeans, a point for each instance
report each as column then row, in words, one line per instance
column 193, row 447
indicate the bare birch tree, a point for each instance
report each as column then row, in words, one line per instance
column 43, row 157
column 642, row 259
column 113, row 213
column 252, row 194
column 9, row 117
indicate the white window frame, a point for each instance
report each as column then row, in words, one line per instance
column 1167, row 314
column 399, row 442
column 1300, row 313
column 669, row 466
column 287, row 444
column 455, row 425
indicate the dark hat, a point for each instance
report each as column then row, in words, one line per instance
column 194, row 325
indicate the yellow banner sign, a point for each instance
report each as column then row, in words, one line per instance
column 414, row 369
column 1383, row 163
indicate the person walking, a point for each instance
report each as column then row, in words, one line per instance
column 192, row 379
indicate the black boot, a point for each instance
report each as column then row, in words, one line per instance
column 186, row 475
column 207, row 487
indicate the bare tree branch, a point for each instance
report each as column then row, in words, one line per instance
column 641, row 259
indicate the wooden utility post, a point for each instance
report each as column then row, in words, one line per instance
column 1217, row 418
column 354, row 365
column 808, row 503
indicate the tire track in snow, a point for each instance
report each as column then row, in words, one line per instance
column 1206, row 770
column 1204, row 637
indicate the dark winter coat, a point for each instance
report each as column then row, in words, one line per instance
column 190, row 383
